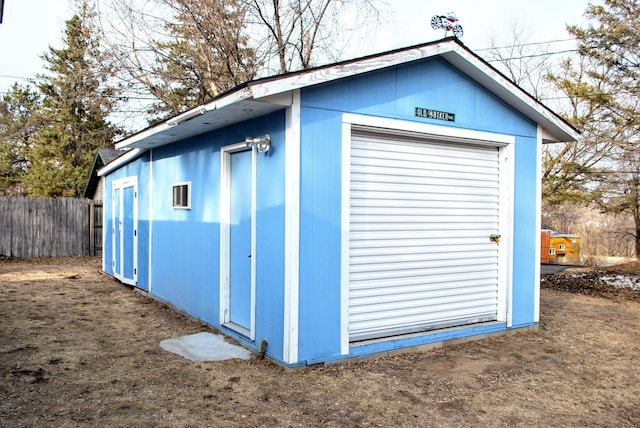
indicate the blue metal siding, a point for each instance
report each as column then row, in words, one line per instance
column 525, row 232
column 186, row 253
column 185, row 242
column 138, row 168
column 395, row 93
column 320, row 166
column 432, row 84
column 270, row 214
column 144, row 219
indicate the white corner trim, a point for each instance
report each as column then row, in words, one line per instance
column 292, row 231
column 538, row 239
column 150, row 214
column 507, row 210
column 345, row 227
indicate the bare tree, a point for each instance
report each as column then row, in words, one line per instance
column 298, row 34
column 571, row 170
column 178, row 53
column 175, row 54
column 524, row 62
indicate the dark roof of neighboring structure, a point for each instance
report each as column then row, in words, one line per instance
column 103, row 157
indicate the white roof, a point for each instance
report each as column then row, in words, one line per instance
column 266, row 95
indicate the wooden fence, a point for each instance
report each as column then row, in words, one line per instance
column 40, row 227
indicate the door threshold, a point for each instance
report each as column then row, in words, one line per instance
column 238, row 329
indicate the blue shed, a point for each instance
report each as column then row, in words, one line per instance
column 359, row 208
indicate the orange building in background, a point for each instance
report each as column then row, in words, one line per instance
column 559, row 248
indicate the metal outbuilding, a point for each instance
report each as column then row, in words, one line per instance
column 358, row 208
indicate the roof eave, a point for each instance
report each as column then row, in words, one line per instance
column 270, row 94
column 557, row 129
column 182, row 126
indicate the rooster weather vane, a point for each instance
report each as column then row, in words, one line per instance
column 448, row 22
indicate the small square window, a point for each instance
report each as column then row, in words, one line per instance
column 552, row 251
column 182, row 195
column 561, row 247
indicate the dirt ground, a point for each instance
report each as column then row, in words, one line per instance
column 79, row 349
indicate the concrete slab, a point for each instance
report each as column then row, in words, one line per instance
column 204, row 346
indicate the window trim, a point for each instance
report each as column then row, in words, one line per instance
column 173, row 198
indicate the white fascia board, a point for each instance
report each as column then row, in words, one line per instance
column 119, row 161
column 556, row 129
column 142, row 135
column 457, row 55
column 339, row 71
column 166, row 127
column 229, row 99
column 278, row 91
column 284, row 99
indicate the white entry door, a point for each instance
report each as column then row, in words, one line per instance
column 125, row 230
column 237, row 244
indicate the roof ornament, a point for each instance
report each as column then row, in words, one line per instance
column 447, row 22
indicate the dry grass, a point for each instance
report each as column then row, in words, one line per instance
column 79, row 349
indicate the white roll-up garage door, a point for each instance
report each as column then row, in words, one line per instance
column 421, row 217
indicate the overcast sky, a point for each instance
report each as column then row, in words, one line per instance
column 30, row 26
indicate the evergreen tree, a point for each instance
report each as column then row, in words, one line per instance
column 18, row 130
column 76, row 101
column 572, row 171
column 609, row 81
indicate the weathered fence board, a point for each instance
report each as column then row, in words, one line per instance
column 41, row 227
